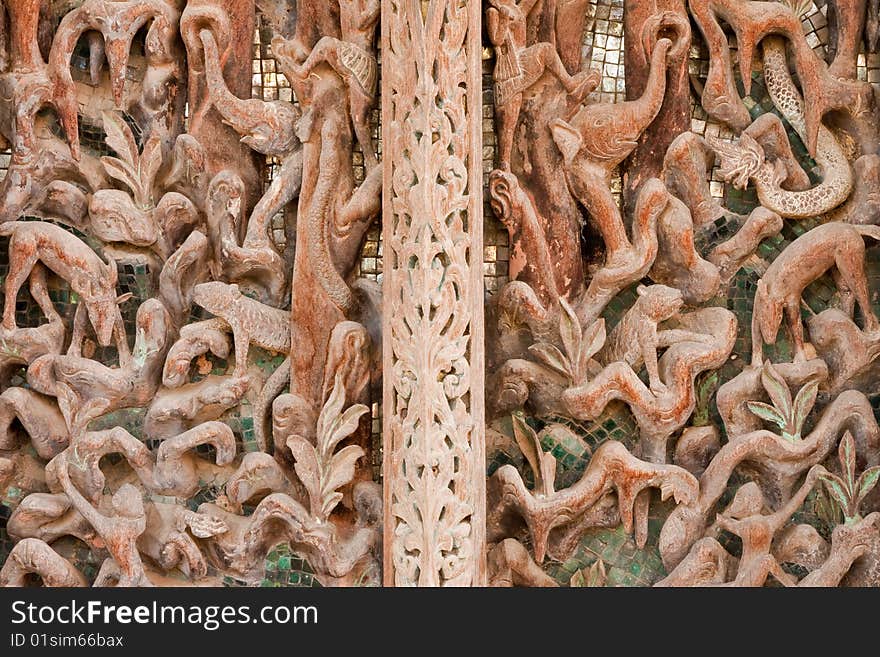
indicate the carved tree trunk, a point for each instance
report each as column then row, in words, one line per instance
column 536, row 160
column 433, row 326
column 675, row 114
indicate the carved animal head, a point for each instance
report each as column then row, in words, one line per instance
column 102, row 305
column 277, row 134
column 568, row 139
column 225, row 195
column 660, row 302
column 216, row 297
column 767, row 313
column 739, row 162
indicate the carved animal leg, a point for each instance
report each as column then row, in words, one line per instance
column 242, row 346
column 506, row 117
column 547, row 58
column 793, row 316
column 851, row 265
column 597, row 199
column 757, row 342
column 361, row 104
column 268, row 393
column 730, row 255
column 20, row 267
column 641, row 508
column 847, row 298
column 616, row 381
column 772, row 567
column 720, row 97
column 669, row 337
column 285, row 187
column 846, row 21
column 80, row 320
column 122, row 348
column 325, row 50
column 510, row 564
column 685, row 173
column 40, row 293
column 654, row 382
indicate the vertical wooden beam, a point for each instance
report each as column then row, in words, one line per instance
column 434, row 447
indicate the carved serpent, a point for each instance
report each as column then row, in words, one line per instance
column 837, row 179
column 318, row 223
column 746, row 160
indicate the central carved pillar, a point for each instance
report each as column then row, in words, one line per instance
column 433, row 294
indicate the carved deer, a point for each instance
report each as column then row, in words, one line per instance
column 74, row 261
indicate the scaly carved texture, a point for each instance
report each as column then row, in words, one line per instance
column 434, row 492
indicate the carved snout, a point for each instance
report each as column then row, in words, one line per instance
column 669, row 25
column 104, row 316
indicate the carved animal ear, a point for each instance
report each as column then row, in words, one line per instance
column 567, row 139
column 641, row 290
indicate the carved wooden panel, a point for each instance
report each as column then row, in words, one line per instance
column 185, row 396
column 693, row 303
column 251, row 334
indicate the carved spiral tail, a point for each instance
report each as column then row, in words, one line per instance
column 837, row 182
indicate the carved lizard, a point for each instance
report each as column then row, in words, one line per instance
column 746, row 160
column 250, row 321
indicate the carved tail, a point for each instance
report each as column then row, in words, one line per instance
column 837, row 180
column 318, row 225
column 271, row 389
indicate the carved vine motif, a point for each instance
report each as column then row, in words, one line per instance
column 431, row 219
